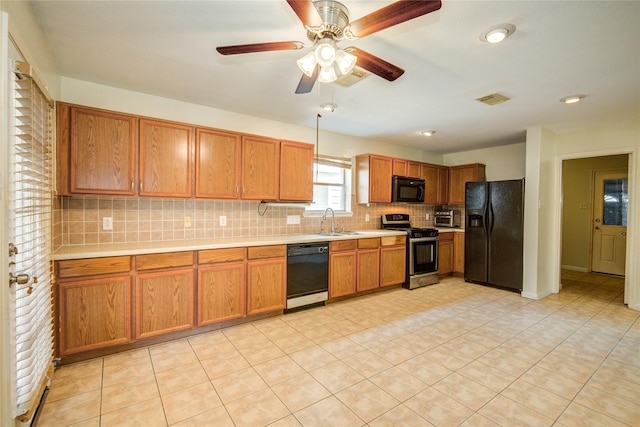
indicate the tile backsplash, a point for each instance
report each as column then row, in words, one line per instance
column 79, row 220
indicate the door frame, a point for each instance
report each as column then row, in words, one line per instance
column 632, row 272
column 6, row 371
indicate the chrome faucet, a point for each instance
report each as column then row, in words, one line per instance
column 333, row 220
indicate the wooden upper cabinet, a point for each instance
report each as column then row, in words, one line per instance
column 260, row 168
column 96, row 151
column 430, row 175
column 400, row 167
column 443, row 185
column 296, row 171
column 165, row 159
column 413, row 170
column 373, row 178
column 459, row 176
column 218, row 155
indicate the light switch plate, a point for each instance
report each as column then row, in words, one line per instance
column 107, row 223
column 366, row 217
column 223, row 221
column 187, row 221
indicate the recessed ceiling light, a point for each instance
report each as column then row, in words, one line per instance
column 329, row 106
column 498, row 33
column 572, row 99
column 428, row 132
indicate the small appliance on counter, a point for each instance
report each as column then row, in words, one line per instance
column 446, row 218
column 422, row 250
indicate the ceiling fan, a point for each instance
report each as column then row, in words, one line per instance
column 327, row 23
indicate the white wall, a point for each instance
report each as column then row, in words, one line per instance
column 504, row 162
column 544, row 182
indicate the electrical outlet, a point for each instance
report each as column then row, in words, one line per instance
column 107, row 223
column 223, row 221
column 293, row 219
column 187, row 221
column 427, row 216
column 366, row 218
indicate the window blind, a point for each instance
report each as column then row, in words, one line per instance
column 30, row 210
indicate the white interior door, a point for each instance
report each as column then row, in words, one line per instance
column 610, row 208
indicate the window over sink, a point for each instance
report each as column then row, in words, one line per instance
column 331, row 185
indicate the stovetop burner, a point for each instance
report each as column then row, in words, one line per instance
column 402, row 222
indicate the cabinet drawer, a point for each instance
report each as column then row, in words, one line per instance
column 392, row 240
column 93, row 266
column 221, row 255
column 342, row 245
column 445, row 237
column 168, row 260
column 258, row 252
column 371, row 243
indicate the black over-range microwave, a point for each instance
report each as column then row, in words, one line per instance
column 410, row 190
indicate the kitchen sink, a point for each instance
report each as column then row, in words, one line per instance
column 340, row 233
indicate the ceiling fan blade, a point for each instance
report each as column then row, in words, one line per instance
column 393, row 14
column 259, row 47
column 306, row 11
column 377, row 66
column 306, row 83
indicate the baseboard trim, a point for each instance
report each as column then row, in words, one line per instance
column 574, row 268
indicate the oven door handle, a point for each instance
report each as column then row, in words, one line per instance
column 423, row 239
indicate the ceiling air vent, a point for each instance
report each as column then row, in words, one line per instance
column 493, row 99
column 352, row 78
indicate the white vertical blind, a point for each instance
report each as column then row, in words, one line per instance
column 30, row 202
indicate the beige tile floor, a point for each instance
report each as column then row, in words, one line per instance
column 448, row 354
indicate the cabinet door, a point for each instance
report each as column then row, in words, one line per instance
column 102, row 149
column 380, row 180
column 94, row 313
column 266, row 281
column 342, row 273
column 296, row 171
column 392, row 265
column 368, row 269
column 430, row 175
column 413, row 169
column 221, row 292
column 165, row 159
column 260, row 168
column 459, row 176
column 164, row 302
column 400, row 167
column 443, row 185
column 445, row 257
column 458, row 253
column 217, row 164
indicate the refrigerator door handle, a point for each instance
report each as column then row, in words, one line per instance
column 490, row 219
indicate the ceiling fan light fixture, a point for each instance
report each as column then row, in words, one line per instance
column 428, row 132
column 345, row 61
column 329, row 106
column 307, row 63
column 498, row 33
column 572, row 99
column 327, row 74
column 325, row 51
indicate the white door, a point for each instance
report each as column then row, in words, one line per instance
column 610, row 222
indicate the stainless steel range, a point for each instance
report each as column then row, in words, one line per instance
column 422, row 250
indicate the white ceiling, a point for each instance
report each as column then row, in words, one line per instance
column 167, row 48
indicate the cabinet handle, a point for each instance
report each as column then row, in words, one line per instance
column 141, row 186
column 236, row 191
column 132, row 186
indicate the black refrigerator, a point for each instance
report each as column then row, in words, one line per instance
column 494, row 227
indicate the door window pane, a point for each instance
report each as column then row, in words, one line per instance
column 615, row 202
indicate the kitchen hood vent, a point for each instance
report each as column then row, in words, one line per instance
column 493, row 99
column 353, row 77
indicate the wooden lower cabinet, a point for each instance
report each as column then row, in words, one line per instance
column 368, row 263
column 342, row 268
column 266, row 279
column 221, row 285
column 94, row 313
column 445, row 254
column 164, row 302
column 458, row 253
column 393, row 253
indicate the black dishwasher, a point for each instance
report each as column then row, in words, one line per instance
column 307, row 274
